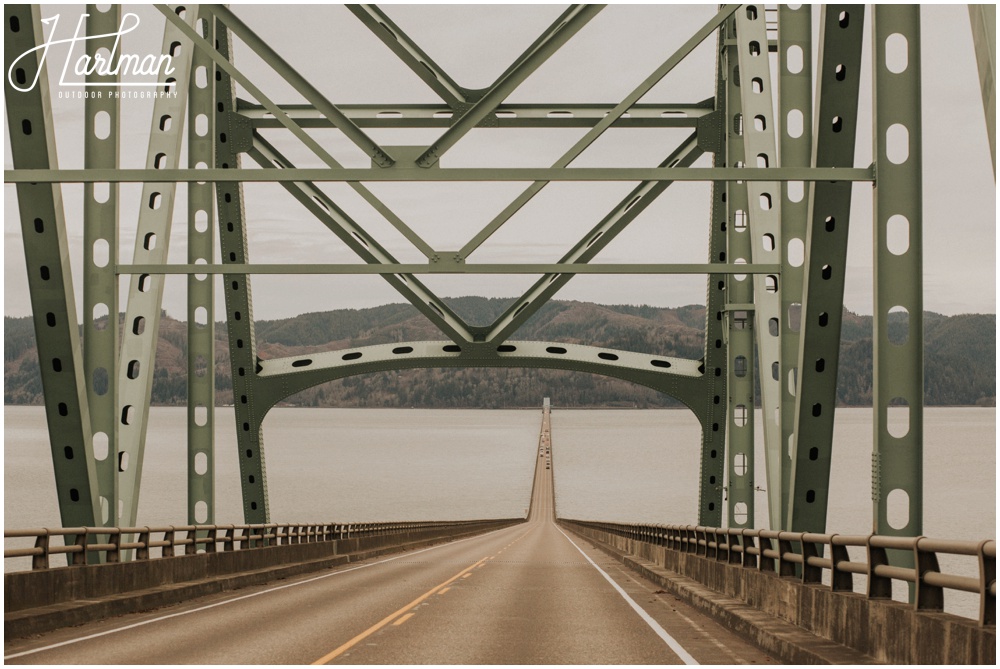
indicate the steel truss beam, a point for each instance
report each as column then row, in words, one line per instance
column 576, row 115
column 450, row 268
column 100, row 280
column 795, row 86
column 764, row 226
column 145, row 297
column 592, row 243
column 561, row 30
column 378, row 155
column 898, row 380
column 239, row 305
column 201, row 291
column 750, row 174
column 422, row 65
column 739, row 409
column 50, row 282
column 841, row 29
column 984, row 39
column 714, row 398
column 364, row 245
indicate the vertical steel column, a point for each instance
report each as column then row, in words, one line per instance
column 230, row 138
column 142, row 316
column 897, row 474
column 100, row 243
column 200, row 287
column 739, row 309
column 794, row 123
column 764, row 228
column 841, row 31
column 50, row 283
column 713, row 423
column 983, row 19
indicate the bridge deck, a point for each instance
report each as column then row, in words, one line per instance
column 525, row 594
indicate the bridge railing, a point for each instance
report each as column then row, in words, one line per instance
column 809, row 556
column 173, row 540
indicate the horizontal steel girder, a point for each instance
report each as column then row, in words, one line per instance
column 508, row 116
column 404, row 173
column 447, row 267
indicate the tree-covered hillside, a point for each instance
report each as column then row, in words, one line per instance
column 959, row 366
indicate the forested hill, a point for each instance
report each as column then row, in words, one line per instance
column 960, row 358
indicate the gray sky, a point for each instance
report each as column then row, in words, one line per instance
column 602, row 63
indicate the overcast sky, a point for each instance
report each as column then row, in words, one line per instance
column 602, row 63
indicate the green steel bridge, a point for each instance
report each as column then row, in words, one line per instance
column 775, row 142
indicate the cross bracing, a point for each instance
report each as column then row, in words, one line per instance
column 766, row 311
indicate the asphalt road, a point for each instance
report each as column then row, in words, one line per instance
column 524, row 594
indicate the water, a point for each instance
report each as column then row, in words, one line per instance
column 358, row 465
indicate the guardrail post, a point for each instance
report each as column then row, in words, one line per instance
column 142, row 552
column 811, row 574
column 988, row 583
column 230, row 539
column 114, row 553
column 765, row 563
column 839, row 580
column 879, row 587
column 733, row 539
column 80, row 557
column 747, row 542
column 929, row 597
column 192, row 547
column 42, row 561
column 785, row 568
column 169, row 536
column 213, row 538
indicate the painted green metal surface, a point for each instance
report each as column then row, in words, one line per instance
column 561, row 30
column 984, row 39
column 763, row 227
column 201, row 291
column 421, row 64
column 448, row 268
column 795, row 119
column 739, row 416
column 50, row 282
column 100, row 279
column 898, row 380
column 236, row 288
column 145, row 296
column 841, row 31
column 750, row 174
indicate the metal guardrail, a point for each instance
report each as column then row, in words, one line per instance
column 785, row 553
column 112, row 541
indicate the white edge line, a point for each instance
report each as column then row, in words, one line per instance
column 655, row 626
column 237, row 599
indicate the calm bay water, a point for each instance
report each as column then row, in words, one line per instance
column 358, row 465
column 404, row 464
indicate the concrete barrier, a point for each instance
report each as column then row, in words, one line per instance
column 886, row 631
column 46, row 599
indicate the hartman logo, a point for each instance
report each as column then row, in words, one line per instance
column 115, row 62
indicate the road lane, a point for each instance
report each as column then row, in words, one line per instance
column 523, row 594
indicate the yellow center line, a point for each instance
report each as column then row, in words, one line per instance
column 403, row 619
column 396, row 614
column 466, row 575
column 444, row 591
